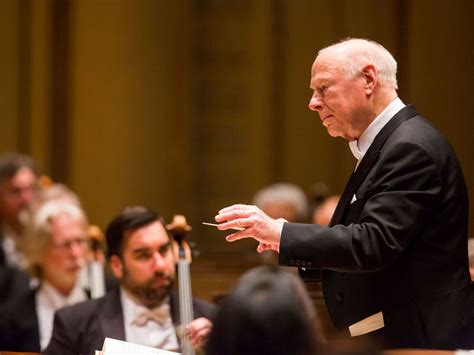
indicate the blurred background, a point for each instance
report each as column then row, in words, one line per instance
column 187, row 106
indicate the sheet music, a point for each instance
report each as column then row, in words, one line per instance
column 114, row 346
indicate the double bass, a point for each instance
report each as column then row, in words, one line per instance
column 178, row 228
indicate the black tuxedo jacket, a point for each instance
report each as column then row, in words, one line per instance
column 82, row 328
column 19, row 330
column 397, row 242
column 19, row 327
column 13, row 283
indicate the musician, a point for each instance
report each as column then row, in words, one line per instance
column 143, row 309
column 56, row 244
column 18, row 187
column 394, row 258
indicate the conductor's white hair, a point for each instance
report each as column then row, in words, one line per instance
column 354, row 53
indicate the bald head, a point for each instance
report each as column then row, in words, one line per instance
column 353, row 82
column 351, row 55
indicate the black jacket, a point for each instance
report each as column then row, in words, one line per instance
column 401, row 246
column 82, row 328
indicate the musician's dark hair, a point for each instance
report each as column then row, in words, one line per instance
column 10, row 163
column 131, row 218
column 268, row 312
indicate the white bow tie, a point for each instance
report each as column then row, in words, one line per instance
column 355, row 150
column 158, row 314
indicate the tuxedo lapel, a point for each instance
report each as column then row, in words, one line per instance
column 368, row 161
column 111, row 316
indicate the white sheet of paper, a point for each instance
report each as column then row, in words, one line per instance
column 114, row 346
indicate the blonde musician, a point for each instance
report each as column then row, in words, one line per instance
column 143, row 309
column 56, row 243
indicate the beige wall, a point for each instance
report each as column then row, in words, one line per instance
column 187, row 106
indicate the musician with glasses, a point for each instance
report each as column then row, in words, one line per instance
column 56, row 246
column 143, row 310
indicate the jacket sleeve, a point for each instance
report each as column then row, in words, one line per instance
column 393, row 206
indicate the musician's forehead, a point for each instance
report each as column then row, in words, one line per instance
column 152, row 235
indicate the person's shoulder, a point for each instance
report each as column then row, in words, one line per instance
column 82, row 310
column 19, row 305
column 419, row 129
column 418, row 133
column 13, row 281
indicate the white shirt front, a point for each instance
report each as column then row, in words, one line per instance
column 49, row 300
column 361, row 146
column 13, row 256
column 160, row 336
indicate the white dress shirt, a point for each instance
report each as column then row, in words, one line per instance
column 153, row 334
column 361, row 146
column 13, row 256
column 49, row 300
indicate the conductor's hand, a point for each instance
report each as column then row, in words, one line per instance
column 256, row 224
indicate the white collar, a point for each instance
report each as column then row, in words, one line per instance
column 48, row 300
column 57, row 300
column 359, row 147
column 130, row 307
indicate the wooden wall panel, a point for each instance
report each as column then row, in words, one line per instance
column 10, row 73
column 41, row 93
column 231, row 71
column 129, row 125
column 441, row 71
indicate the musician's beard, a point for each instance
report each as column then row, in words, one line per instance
column 153, row 291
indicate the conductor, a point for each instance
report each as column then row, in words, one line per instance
column 394, row 257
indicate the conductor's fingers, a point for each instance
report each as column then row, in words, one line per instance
column 237, row 236
column 238, row 206
column 237, row 223
column 264, row 247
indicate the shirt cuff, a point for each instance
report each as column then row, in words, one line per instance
column 282, row 221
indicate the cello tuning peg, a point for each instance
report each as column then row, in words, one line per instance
column 195, row 253
column 192, row 244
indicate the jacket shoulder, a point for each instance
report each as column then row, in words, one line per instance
column 80, row 313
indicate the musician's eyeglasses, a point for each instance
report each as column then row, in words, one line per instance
column 67, row 245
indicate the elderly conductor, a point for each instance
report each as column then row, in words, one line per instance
column 394, row 258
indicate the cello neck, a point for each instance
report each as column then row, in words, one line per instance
column 178, row 228
column 186, row 313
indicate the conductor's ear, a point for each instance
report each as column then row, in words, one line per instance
column 369, row 74
column 116, row 266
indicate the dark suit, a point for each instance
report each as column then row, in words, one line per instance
column 15, row 289
column 82, row 328
column 13, row 282
column 19, row 324
column 401, row 247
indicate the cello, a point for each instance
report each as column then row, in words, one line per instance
column 178, row 228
